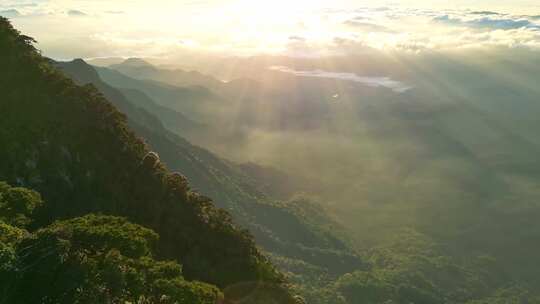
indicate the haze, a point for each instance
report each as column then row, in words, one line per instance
column 378, row 153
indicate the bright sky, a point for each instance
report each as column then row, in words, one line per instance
column 99, row 28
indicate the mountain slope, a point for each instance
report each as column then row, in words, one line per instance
column 188, row 100
column 278, row 228
column 69, row 143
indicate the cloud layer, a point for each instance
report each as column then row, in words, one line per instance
column 76, row 13
column 10, row 13
column 496, row 23
column 232, row 28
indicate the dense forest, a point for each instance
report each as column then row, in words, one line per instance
column 295, row 232
column 71, row 145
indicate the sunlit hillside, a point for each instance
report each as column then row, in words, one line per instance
column 303, row 152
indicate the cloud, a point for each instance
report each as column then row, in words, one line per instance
column 22, row 5
column 314, row 33
column 76, row 13
column 484, row 13
column 373, row 9
column 10, row 13
column 385, row 82
column 361, row 18
column 488, row 22
column 21, row 8
column 367, row 26
column 297, row 38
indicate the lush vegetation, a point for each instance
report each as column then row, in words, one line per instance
column 295, row 230
column 413, row 268
column 74, row 147
column 90, row 259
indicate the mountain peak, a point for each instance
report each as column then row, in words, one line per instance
column 79, row 62
column 85, row 72
column 136, row 62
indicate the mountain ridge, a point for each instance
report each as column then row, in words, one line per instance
column 240, row 196
column 74, row 147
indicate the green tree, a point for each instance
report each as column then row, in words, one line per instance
column 18, row 204
column 101, row 259
column 9, row 239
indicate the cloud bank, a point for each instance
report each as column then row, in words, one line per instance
column 488, row 22
column 110, row 28
column 10, row 13
column 76, row 13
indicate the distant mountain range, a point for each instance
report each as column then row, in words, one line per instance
column 450, row 157
column 141, row 69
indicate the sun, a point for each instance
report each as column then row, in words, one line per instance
column 278, row 11
column 267, row 25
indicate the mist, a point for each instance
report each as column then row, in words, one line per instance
column 454, row 129
column 367, row 154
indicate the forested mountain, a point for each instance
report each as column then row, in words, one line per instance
column 417, row 193
column 295, row 231
column 75, row 148
column 90, row 259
